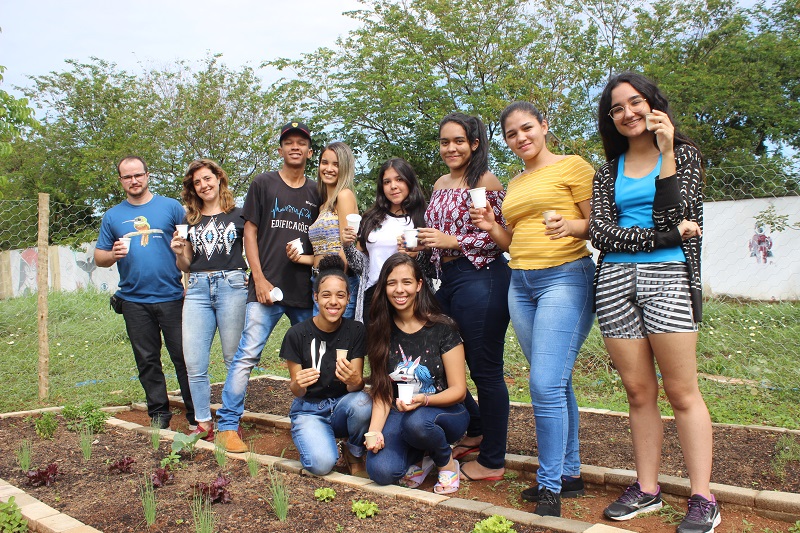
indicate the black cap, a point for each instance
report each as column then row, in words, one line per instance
column 295, row 127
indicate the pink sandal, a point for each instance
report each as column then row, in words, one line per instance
column 449, row 481
column 415, row 474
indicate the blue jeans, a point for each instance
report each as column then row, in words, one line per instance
column 259, row 321
column 409, row 435
column 352, row 286
column 316, row 426
column 214, row 300
column 478, row 301
column 551, row 310
column 145, row 324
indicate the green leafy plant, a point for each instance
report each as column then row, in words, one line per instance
column 252, row 461
column 11, row 520
column 325, row 494
column 87, row 414
column 795, row 528
column 24, row 453
column 364, row 509
column 181, row 442
column 279, row 494
column 86, row 439
column 46, row 425
column 171, row 461
column 204, row 519
column 494, row 524
column 219, row 454
column 148, row 496
column 787, row 448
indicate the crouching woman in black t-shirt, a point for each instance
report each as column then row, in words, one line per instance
column 325, row 355
column 411, row 342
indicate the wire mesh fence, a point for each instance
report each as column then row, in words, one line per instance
column 747, row 340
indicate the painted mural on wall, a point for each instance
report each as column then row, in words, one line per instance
column 760, row 245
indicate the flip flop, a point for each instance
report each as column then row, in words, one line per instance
column 466, row 451
column 449, row 481
column 487, row 478
column 415, row 474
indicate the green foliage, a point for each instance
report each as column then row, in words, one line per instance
column 364, row 509
column 795, row 528
column 786, row 449
column 252, row 461
column 155, row 433
column 171, row 461
column 15, row 118
column 203, row 516
column 325, row 494
column 86, row 439
column 46, row 425
column 88, row 415
column 24, row 453
column 182, row 442
column 219, row 454
column 11, row 520
column 279, row 494
column 147, row 494
column 494, row 524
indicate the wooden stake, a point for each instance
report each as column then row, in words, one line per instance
column 44, row 289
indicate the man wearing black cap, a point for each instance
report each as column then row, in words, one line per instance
column 278, row 209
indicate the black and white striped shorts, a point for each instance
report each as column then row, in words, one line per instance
column 636, row 299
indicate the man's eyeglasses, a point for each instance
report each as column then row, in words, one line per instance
column 635, row 104
column 130, row 177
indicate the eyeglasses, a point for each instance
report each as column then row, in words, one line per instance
column 635, row 104
column 133, row 176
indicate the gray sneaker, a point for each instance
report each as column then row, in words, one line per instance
column 633, row 502
column 702, row 517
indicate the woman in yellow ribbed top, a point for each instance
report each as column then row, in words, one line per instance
column 550, row 297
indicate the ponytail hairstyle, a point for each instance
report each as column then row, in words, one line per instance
column 381, row 322
column 330, row 265
column 193, row 203
column 614, row 143
column 413, row 206
column 476, row 131
column 347, row 170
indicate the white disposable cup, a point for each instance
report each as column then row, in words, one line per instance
column 297, row 244
column 276, row 294
column 371, row 437
column 478, row 196
column 126, row 241
column 648, row 121
column 183, row 230
column 354, row 221
column 410, row 235
column 405, row 391
column 341, row 354
column 547, row 215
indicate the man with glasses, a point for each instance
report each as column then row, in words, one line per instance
column 136, row 235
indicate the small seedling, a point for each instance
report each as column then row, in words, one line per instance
column 670, row 514
column 171, row 461
column 11, row 520
column 87, row 414
column 795, row 528
column 339, row 528
column 24, row 454
column 161, row 477
column 46, row 425
column 215, row 492
column 494, row 524
column 279, row 494
column 43, row 476
column 148, row 495
column 155, row 433
column 219, row 454
column 364, row 509
column 252, row 462
column 325, row 494
column 181, row 442
column 86, row 439
column 204, row 519
column 123, row 466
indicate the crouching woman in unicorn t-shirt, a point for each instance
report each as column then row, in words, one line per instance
column 411, row 341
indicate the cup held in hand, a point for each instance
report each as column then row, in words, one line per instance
column 478, row 196
column 126, row 242
column 297, row 244
column 371, row 438
column 405, row 391
column 276, row 295
column 410, row 236
column 183, row 230
column 354, row 221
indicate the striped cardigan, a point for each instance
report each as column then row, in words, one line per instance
column 678, row 197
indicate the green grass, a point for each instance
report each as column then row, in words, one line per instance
column 91, row 360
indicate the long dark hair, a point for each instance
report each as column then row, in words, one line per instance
column 381, row 321
column 193, row 203
column 413, row 205
column 520, row 105
column 476, row 131
column 614, row 143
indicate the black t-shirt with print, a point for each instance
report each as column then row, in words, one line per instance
column 217, row 242
column 282, row 214
column 297, row 347
column 417, row 357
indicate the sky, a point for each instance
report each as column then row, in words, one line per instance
column 38, row 35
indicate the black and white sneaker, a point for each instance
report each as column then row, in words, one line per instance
column 571, row 487
column 549, row 503
column 702, row 517
column 633, row 502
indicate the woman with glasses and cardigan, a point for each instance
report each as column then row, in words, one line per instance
column 646, row 221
